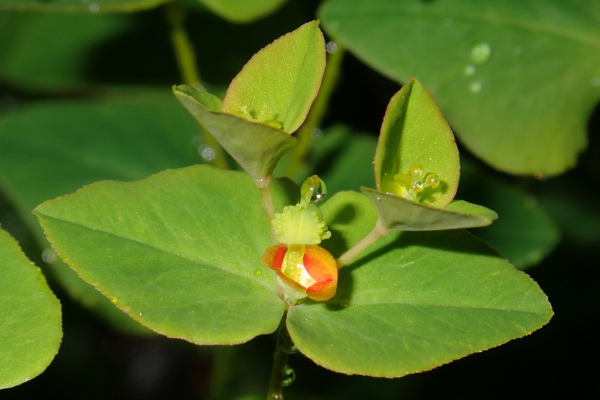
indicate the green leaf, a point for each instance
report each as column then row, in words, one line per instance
column 400, row 214
column 40, row 51
column 489, row 67
column 524, row 233
column 256, row 147
column 179, row 251
column 281, row 81
column 95, row 6
column 30, row 327
column 48, row 150
column 414, row 301
column 415, row 132
column 243, row 10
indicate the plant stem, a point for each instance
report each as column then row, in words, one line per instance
column 316, row 113
column 222, row 371
column 376, row 233
column 280, row 359
column 266, row 198
column 186, row 61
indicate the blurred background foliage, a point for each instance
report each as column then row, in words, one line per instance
column 85, row 96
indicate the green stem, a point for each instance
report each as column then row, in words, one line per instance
column 280, row 359
column 316, row 113
column 186, row 61
column 266, row 198
column 376, row 233
column 223, row 365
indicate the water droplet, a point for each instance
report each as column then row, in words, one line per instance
column 540, row 176
column 289, row 375
column 207, row 152
column 313, row 189
column 316, row 134
column 596, row 81
column 141, row 314
column 378, row 198
column 480, row 53
column 277, row 396
column 475, row 87
column 94, row 7
column 331, row 47
column 114, row 300
column 48, row 255
column 469, row 70
column 343, row 303
column 257, row 272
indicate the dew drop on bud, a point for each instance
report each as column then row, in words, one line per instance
column 289, row 376
column 416, row 172
column 432, row 180
column 313, row 190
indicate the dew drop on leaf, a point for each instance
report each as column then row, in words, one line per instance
column 94, row 7
column 331, row 47
column 480, row 53
column 207, row 152
column 343, row 303
column 469, row 70
column 257, row 272
column 316, row 134
column 48, row 255
column 475, row 87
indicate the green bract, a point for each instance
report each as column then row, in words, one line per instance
column 417, row 168
column 266, row 101
column 30, row 317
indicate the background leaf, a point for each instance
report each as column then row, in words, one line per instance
column 243, row 10
column 49, row 150
column 282, row 79
column 179, row 251
column 415, row 132
column 517, row 80
column 91, row 6
column 30, row 315
column 414, row 301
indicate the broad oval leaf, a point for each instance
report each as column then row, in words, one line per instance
column 91, row 6
column 256, row 147
column 281, row 81
column 489, row 67
column 30, row 331
column 48, row 150
column 179, row 252
column 243, row 10
column 414, row 301
column 415, row 132
column 404, row 215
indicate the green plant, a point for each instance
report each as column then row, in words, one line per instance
column 218, row 257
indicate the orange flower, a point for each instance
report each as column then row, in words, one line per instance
column 306, row 267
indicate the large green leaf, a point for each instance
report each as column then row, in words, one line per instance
column 413, row 300
column 243, row 10
column 30, row 317
column 281, row 81
column 92, row 6
column 256, row 147
column 179, row 251
column 415, row 132
column 48, row 150
column 517, row 80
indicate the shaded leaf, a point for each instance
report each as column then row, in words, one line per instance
column 281, row 81
column 179, row 251
column 256, row 147
column 415, row 300
column 517, row 80
column 30, row 315
column 404, row 215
